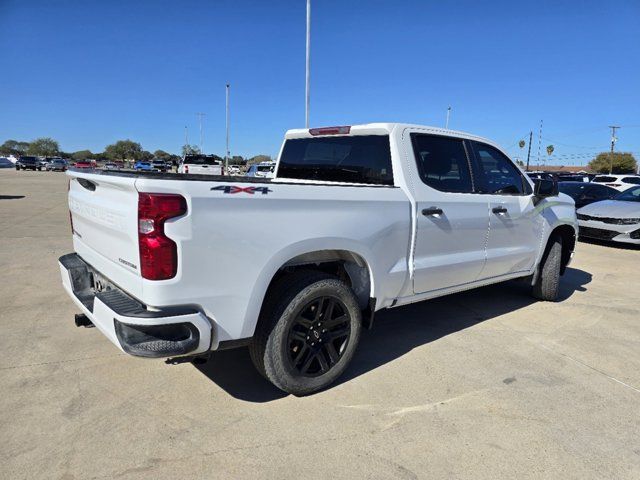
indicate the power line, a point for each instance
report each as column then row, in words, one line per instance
column 569, row 145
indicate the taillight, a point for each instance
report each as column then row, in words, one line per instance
column 158, row 253
column 344, row 130
column 186, row 169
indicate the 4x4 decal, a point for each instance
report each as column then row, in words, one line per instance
column 249, row 190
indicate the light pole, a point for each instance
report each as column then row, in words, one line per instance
column 614, row 139
column 308, row 66
column 226, row 158
column 200, row 115
column 446, row 126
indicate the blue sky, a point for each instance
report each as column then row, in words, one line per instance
column 88, row 73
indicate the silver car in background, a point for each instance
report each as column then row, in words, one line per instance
column 616, row 220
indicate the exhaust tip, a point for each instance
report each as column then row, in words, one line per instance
column 83, row 321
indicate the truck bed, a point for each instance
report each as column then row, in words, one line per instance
column 196, row 177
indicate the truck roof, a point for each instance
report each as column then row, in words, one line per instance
column 387, row 128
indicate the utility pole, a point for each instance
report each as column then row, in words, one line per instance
column 614, row 139
column 226, row 158
column 446, row 126
column 186, row 135
column 308, row 66
column 529, row 152
column 200, row 115
column 539, row 142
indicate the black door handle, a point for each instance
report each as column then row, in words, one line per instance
column 499, row 210
column 427, row 212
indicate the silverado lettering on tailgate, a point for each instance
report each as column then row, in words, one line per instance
column 98, row 215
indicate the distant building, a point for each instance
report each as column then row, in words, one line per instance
column 560, row 168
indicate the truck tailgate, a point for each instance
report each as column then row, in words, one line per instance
column 104, row 215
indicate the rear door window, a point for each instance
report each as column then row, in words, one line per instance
column 355, row 159
column 498, row 174
column 443, row 163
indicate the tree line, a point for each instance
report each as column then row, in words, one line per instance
column 122, row 150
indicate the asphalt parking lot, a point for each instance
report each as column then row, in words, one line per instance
column 478, row 385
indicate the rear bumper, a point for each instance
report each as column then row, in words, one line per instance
column 130, row 325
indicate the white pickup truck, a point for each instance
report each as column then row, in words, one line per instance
column 357, row 219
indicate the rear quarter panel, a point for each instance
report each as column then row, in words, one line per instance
column 232, row 244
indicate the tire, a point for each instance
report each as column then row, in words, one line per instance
column 547, row 284
column 307, row 333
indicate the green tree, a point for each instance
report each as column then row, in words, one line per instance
column 123, row 150
column 237, row 160
column 145, row 156
column 622, row 163
column 81, row 155
column 43, row 147
column 14, row 147
column 190, row 150
column 162, row 155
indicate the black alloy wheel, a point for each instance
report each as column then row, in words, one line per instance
column 319, row 335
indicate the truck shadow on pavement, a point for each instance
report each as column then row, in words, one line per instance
column 395, row 333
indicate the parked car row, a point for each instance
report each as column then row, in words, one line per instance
column 616, row 219
column 620, row 182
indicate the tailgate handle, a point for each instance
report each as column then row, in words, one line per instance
column 88, row 184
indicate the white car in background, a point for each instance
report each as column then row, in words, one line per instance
column 262, row 170
column 203, row 164
column 616, row 220
column 619, row 182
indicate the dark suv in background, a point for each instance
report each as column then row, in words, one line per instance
column 28, row 163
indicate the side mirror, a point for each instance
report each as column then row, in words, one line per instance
column 545, row 188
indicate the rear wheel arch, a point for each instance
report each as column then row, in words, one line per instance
column 345, row 265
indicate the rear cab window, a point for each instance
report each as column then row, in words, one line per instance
column 202, row 160
column 362, row 159
column 604, row 179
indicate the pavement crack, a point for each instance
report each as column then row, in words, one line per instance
column 13, row 367
column 580, row 362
